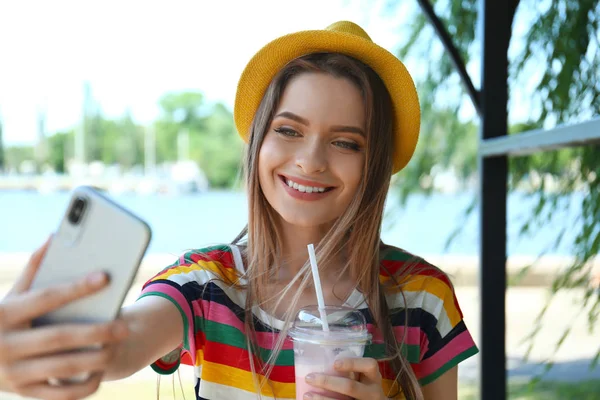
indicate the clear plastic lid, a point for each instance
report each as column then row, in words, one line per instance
column 345, row 325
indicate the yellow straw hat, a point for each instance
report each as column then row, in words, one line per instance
column 341, row 37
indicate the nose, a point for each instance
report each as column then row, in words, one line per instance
column 311, row 157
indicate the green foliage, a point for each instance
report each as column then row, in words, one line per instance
column 220, row 148
column 166, row 140
column 16, row 155
column 213, row 142
column 122, row 142
column 587, row 390
column 565, row 38
column 445, row 143
column 563, row 35
column 183, row 108
column 59, row 149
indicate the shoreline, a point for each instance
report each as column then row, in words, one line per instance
column 462, row 269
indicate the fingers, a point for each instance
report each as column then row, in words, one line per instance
column 367, row 387
column 16, row 310
column 24, row 281
column 368, row 367
column 58, row 338
column 317, row 396
column 61, row 366
column 337, row 384
column 73, row 391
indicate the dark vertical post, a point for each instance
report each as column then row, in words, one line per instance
column 496, row 25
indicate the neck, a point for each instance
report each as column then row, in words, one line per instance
column 295, row 251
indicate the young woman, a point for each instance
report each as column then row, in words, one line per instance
column 328, row 116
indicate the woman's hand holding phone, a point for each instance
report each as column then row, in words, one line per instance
column 31, row 357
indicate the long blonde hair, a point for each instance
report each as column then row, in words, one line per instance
column 356, row 233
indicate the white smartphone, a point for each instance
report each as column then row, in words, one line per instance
column 95, row 234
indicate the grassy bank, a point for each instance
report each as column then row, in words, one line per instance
column 586, row 390
column 171, row 390
column 589, row 390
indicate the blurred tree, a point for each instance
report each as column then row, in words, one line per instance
column 184, row 108
column 182, row 111
column 563, row 35
column 121, row 142
column 94, row 125
column 88, row 139
column 213, row 142
column 445, row 144
column 16, row 155
column 59, row 150
column 166, row 140
column 130, row 144
column 220, row 149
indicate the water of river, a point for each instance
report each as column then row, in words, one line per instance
column 192, row 221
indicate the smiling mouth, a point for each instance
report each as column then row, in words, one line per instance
column 303, row 188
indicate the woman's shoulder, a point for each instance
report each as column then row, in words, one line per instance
column 412, row 282
column 404, row 270
column 220, row 253
column 203, row 264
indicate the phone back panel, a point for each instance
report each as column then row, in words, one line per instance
column 107, row 238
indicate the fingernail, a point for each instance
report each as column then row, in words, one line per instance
column 307, row 396
column 337, row 364
column 97, row 278
column 310, row 378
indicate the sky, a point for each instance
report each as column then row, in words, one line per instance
column 132, row 52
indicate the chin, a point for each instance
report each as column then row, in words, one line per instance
column 308, row 221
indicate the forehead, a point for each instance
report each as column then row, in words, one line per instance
column 324, row 99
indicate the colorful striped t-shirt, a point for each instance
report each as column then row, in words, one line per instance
column 431, row 324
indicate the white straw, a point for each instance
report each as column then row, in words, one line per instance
column 318, row 288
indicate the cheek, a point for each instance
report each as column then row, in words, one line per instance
column 268, row 159
column 352, row 170
column 263, row 168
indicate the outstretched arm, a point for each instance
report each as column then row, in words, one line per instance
column 155, row 329
column 443, row 388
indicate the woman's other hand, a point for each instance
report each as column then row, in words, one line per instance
column 367, row 386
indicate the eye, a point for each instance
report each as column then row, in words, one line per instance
column 286, row 132
column 343, row 144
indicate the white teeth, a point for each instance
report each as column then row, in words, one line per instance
column 304, row 189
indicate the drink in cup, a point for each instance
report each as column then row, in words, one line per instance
column 316, row 349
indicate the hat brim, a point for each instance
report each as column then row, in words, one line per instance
column 267, row 62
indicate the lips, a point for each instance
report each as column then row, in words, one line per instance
column 303, row 189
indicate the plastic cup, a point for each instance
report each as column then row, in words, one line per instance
column 315, row 350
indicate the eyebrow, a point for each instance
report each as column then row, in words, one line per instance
column 293, row 117
column 335, row 128
column 349, row 129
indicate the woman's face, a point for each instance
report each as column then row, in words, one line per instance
column 312, row 157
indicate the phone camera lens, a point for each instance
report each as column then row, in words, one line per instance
column 77, row 210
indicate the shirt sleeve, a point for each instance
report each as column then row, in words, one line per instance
column 446, row 341
column 181, row 284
